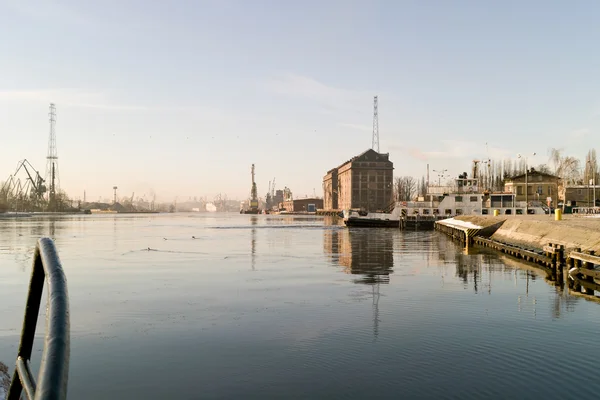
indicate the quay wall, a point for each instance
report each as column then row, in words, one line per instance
column 535, row 232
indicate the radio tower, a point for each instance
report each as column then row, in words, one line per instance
column 52, row 178
column 375, row 144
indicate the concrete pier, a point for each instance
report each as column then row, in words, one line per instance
column 551, row 244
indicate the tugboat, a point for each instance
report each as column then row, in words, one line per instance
column 372, row 220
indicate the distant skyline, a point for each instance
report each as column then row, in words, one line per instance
column 180, row 98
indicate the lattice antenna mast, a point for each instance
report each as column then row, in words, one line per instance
column 52, row 176
column 375, row 144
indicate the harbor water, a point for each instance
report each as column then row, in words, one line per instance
column 214, row 306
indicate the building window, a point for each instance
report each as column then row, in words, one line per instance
column 473, row 198
column 578, row 191
column 459, row 211
column 484, row 211
column 519, row 190
column 458, row 199
column 540, row 190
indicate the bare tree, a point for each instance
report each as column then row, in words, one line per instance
column 405, row 188
column 565, row 167
column 543, row 168
column 591, row 168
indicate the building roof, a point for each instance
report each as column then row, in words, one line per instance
column 308, row 199
column 356, row 158
column 582, row 186
column 534, row 172
column 360, row 155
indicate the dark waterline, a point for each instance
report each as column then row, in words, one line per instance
column 239, row 306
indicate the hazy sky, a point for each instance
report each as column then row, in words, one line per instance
column 181, row 97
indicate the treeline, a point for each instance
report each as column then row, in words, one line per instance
column 493, row 173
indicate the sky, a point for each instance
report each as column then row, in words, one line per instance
column 179, row 98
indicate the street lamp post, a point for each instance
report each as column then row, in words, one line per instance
column 440, row 175
column 526, row 184
column 593, row 180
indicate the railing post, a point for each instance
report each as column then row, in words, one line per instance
column 54, row 366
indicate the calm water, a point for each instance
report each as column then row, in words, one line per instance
column 290, row 307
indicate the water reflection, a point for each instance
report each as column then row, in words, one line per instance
column 253, row 222
column 52, row 228
column 365, row 252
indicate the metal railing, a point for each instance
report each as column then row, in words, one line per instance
column 54, row 367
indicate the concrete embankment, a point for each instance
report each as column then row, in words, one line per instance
column 535, row 232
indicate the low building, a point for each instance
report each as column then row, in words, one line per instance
column 364, row 182
column 534, row 186
column 302, row 205
column 582, row 195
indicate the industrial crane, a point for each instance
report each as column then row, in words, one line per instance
column 253, row 197
column 273, row 189
column 27, row 192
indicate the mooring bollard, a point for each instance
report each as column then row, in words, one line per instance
column 560, row 259
column 557, row 214
column 496, row 213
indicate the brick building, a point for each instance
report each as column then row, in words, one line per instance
column 302, row 205
column 364, row 182
column 540, row 187
column 330, row 190
column 582, row 195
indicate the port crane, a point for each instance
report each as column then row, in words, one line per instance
column 270, row 197
column 253, row 197
column 26, row 189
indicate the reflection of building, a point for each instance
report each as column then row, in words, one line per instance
column 363, row 182
column 369, row 253
column 309, row 205
column 540, row 186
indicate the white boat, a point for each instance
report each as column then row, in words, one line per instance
column 462, row 198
